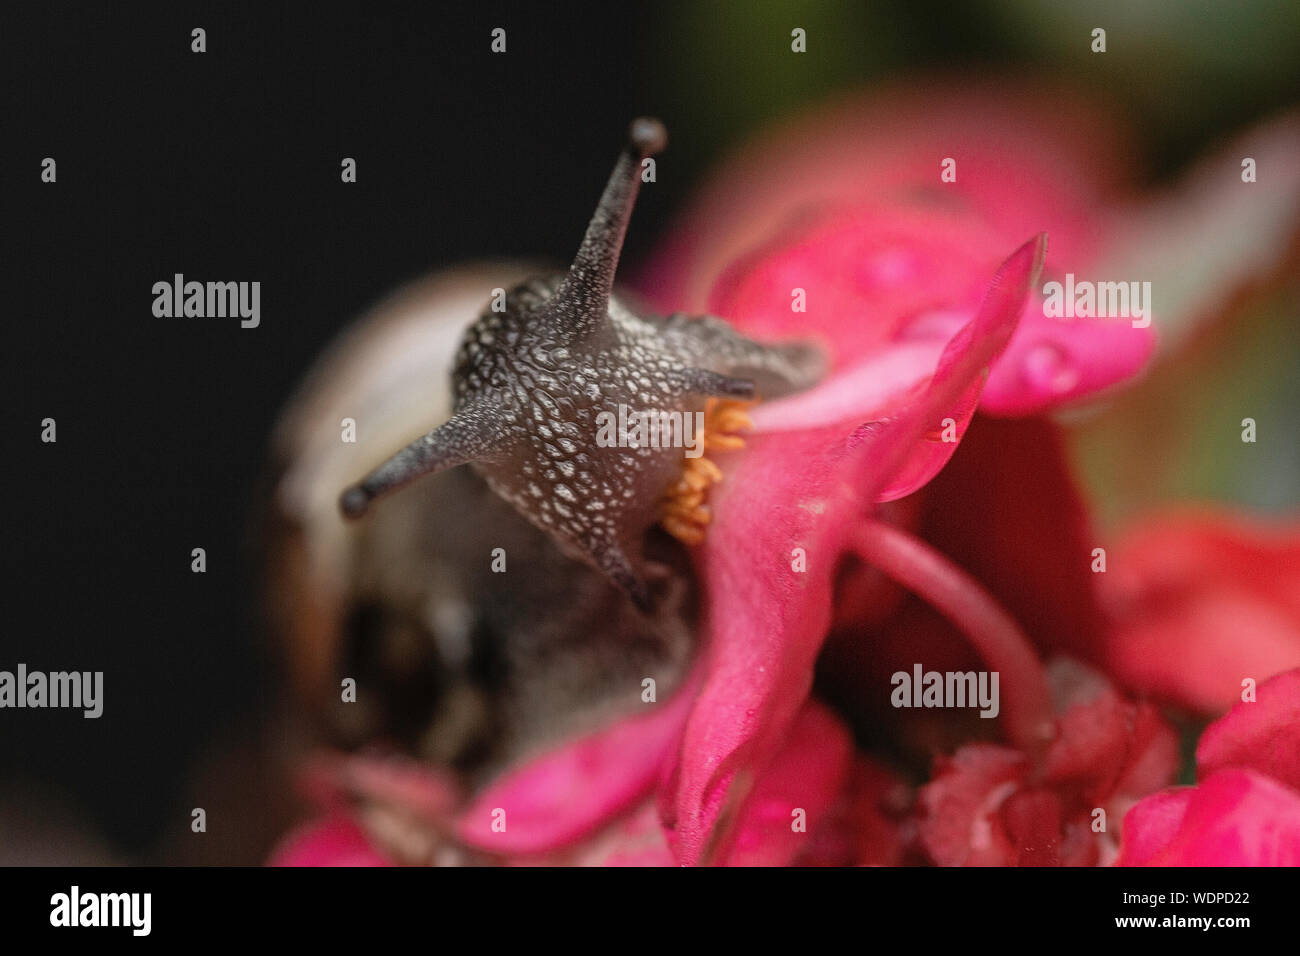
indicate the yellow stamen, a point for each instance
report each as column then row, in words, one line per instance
column 682, row 511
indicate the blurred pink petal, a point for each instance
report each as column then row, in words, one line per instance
column 852, row 210
column 1261, row 735
column 567, row 793
column 1199, row 601
column 1210, row 237
column 334, row 840
column 1232, row 818
column 1017, row 173
column 1053, row 361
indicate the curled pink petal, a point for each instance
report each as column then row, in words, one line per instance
column 912, row 445
column 781, row 521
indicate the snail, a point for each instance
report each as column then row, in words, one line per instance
column 490, row 571
column 532, row 381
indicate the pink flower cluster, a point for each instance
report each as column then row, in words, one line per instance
column 918, row 506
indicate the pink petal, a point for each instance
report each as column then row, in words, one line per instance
column 1053, row 361
column 1015, row 172
column 873, row 276
column 869, row 824
column 334, row 840
column 847, row 205
column 807, row 774
column 1232, row 818
column 911, row 455
column 1199, row 601
column 1152, row 825
column 1261, row 735
column 767, row 621
column 563, row 795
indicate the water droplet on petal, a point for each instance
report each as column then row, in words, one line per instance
column 1048, row 369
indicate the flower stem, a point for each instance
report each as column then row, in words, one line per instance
column 1027, row 710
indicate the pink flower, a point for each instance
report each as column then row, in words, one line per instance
column 878, row 509
column 890, row 266
column 1245, row 811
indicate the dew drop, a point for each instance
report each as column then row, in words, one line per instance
column 1048, row 369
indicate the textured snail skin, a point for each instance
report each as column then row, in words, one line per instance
column 462, row 661
column 530, row 384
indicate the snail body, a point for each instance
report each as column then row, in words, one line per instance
column 467, row 663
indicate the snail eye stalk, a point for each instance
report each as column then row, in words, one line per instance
column 581, row 305
column 467, row 435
